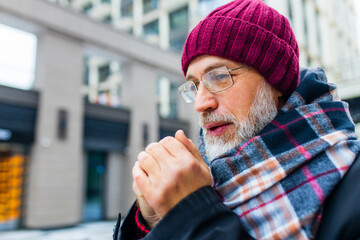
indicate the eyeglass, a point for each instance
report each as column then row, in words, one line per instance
column 215, row 81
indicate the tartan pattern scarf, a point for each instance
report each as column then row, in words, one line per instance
column 277, row 181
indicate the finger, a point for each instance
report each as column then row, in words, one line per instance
column 180, row 136
column 174, row 147
column 141, row 179
column 159, row 153
column 148, row 164
column 137, row 191
column 139, row 196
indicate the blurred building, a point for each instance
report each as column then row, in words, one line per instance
column 326, row 30
column 99, row 96
column 160, row 22
column 106, row 85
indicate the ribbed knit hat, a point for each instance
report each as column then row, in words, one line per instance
column 252, row 33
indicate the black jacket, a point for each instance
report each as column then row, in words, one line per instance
column 202, row 215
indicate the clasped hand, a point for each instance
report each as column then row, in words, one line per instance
column 165, row 173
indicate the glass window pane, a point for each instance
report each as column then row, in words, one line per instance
column 167, row 98
column 206, row 6
column 178, row 43
column 179, row 18
column 17, row 58
column 102, row 83
column 152, row 28
column 150, row 5
column 179, row 28
column 126, row 8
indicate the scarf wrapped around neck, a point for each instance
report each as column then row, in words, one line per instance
column 277, row 181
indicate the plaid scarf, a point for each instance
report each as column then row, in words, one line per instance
column 277, row 181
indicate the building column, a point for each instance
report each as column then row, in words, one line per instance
column 164, row 29
column 138, row 17
column 117, row 179
column 55, row 187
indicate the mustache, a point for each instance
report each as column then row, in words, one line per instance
column 209, row 117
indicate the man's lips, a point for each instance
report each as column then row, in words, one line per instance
column 217, row 128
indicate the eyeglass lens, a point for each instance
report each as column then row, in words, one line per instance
column 216, row 80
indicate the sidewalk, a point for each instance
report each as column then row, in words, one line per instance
column 84, row 231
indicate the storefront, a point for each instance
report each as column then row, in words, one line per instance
column 17, row 126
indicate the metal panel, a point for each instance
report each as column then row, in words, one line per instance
column 18, row 111
column 18, row 97
column 106, row 129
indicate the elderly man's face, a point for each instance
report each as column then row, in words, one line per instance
column 237, row 113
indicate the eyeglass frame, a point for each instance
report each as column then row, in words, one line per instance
column 205, row 84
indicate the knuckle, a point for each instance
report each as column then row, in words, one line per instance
column 166, row 140
column 142, row 157
column 136, row 177
column 134, row 186
column 151, row 147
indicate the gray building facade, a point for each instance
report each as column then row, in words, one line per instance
column 78, row 159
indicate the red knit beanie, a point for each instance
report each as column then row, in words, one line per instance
column 251, row 33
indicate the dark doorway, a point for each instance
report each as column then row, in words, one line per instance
column 95, row 186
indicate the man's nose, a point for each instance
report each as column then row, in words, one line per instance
column 204, row 99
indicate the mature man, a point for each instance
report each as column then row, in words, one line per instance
column 273, row 146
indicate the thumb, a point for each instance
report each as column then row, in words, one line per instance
column 181, row 137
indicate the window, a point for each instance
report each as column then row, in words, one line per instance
column 86, row 9
column 178, row 43
column 102, row 83
column 126, row 8
column 150, row 5
column 179, row 18
column 17, row 58
column 167, row 98
column 12, row 174
column 206, row 6
column 152, row 28
column 104, row 72
column 151, row 32
column 179, row 26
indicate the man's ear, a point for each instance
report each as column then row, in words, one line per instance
column 279, row 94
column 280, row 99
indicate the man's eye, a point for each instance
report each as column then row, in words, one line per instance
column 222, row 76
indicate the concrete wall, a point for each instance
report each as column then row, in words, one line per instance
column 118, row 195
column 56, row 173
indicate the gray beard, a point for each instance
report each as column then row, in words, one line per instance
column 262, row 111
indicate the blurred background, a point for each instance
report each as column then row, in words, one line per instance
column 86, row 84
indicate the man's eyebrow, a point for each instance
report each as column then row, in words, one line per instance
column 207, row 69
